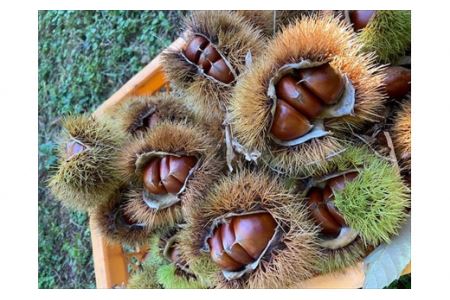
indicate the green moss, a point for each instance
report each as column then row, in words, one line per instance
column 375, row 203
column 388, row 34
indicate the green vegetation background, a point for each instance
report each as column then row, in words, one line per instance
column 84, row 57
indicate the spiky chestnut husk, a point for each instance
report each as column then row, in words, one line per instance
column 112, row 221
column 234, row 37
column 294, row 256
column 146, row 277
column 264, row 19
column 317, row 39
column 158, row 271
column 375, row 203
column 135, row 113
column 87, row 177
column 388, row 34
column 401, row 134
column 176, row 138
column 339, row 259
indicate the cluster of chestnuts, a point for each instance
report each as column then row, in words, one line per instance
column 201, row 52
column 241, row 240
column 167, row 174
column 254, row 227
column 302, row 97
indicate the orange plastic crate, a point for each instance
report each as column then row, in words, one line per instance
column 112, row 262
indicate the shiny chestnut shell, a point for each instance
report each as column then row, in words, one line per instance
column 242, row 240
column 320, row 213
column 339, row 182
column 397, row 82
column 328, row 197
column 167, row 174
column 324, row 82
column 298, row 97
column 194, row 48
column 360, row 18
column 209, row 55
column 220, row 71
column 288, row 124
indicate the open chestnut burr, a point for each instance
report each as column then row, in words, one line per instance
column 301, row 98
column 167, row 174
column 201, row 52
column 241, row 241
column 321, row 205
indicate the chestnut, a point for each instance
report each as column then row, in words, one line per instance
column 194, row 48
column 218, row 254
column 73, row 148
column 298, row 97
column 360, row 18
column 320, row 213
column 208, row 56
column 324, row 82
column 328, row 197
column 167, row 174
column 241, row 240
column 152, row 179
column 220, row 71
column 397, row 82
column 338, row 183
column 288, row 123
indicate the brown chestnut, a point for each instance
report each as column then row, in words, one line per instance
column 338, row 183
column 233, row 249
column 167, row 174
column 397, row 82
column 360, row 18
column 324, row 82
column 220, row 71
column 242, row 240
column 152, row 179
column 298, row 97
column 208, row 56
column 320, row 213
column 73, row 148
column 218, row 254
column 253, row 232
column 328, row 197
column 288, row 124
column 194, row 48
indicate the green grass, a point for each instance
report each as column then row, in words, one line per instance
column 84, row 56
